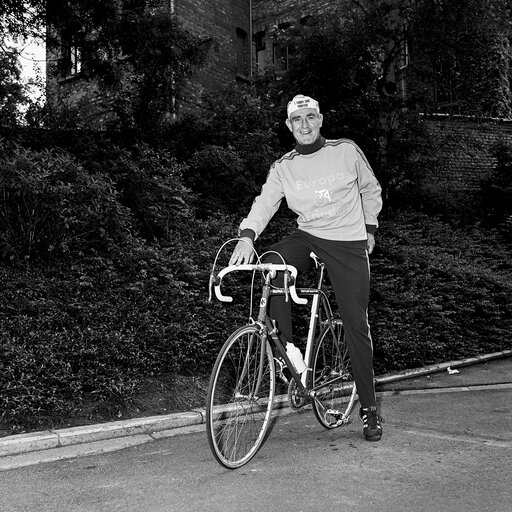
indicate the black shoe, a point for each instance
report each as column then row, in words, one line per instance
column 372, row 428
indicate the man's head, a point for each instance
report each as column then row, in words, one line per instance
column 304, row 119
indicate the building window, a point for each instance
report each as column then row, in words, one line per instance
column 260, row 48
column 282, row 52
column 72, row 60
column 445, row 83
column 242, row 53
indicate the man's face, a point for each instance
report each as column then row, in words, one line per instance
column 305, row 124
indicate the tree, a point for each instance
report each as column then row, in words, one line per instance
column 461, row 54
column 137, row 50
column 343, row 58
column 19, row 19
column 11, row 89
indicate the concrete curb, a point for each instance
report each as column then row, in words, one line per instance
column 39, row 441
column 426, row 370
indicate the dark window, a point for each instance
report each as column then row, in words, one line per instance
column 260, row 47
column 72, row 60
column 242, row 53
column 282, row 53
column 445, row 82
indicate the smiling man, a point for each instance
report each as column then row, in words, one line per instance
column 331, row 187
column 304, row 119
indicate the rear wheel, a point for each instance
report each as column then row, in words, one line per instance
column 333, row 383
column 240, row 397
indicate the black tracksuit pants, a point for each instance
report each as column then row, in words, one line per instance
column 349, row 272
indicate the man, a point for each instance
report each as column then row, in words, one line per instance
column 331, row 187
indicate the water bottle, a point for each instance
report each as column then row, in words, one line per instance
column 295, row 356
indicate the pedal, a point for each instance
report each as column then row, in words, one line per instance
column 336, row 418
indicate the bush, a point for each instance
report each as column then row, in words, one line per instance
column 81, row 335
column 50, row 206
column 85, row 335
column 496, row 190
column 150, row 185
column 438, row 293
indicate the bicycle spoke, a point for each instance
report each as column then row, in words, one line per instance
column 240, row 397
column 333, row 386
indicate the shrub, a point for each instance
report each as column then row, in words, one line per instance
column 496, row 190
column 50, row 205
column 150, row 184
column 438, row 293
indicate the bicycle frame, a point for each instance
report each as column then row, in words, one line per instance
column 318, row 297
column 268, row 327
column 242, row 386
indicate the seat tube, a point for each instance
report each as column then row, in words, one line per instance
column 313, row 320
column 311, row 334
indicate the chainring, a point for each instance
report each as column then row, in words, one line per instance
column 295, row 398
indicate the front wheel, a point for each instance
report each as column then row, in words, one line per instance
column 334, row 391
column 240, row 397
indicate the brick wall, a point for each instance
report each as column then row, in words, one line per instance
column 219, row 19
column 93, row 105
column 462, row 148
column 267, row 14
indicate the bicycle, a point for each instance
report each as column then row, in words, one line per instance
column 241, row 392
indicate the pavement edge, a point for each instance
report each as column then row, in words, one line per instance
column 40, row 441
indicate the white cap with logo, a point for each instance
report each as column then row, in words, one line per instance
column 301, row 101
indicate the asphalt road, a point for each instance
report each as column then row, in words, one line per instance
column 442, row 450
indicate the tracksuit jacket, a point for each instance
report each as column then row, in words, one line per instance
column 328, row 184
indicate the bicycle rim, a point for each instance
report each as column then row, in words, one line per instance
column 240, row 397
column 333, row 382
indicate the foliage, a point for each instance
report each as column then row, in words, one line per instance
column 496, row 190
column 83, row 337
column 22, row 18
column 235, row 153
column 438, row 293
column 446, row 60
column 150, row 184
column 13, row 93
column 140, row 53
column 49, row 207
column 336, row 59
column 120, row 238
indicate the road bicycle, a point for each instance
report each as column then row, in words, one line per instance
column 242, row 390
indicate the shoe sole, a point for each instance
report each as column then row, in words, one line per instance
column 373, row 439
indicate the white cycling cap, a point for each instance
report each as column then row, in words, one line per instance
column 301, row 101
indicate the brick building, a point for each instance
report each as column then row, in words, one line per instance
column 228, row 21
column 242, row 30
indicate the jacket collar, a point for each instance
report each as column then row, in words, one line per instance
column 308, row 149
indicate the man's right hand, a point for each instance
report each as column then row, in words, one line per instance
column 243, row 252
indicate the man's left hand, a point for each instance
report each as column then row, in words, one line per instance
column 370, row 243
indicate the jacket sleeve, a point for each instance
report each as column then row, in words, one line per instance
column 370, row 190
column 266, row 204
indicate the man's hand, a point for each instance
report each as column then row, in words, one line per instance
column 243, row 252
column 370, row 243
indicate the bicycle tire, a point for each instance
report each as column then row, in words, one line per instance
column 240, row 397
column 332, row 380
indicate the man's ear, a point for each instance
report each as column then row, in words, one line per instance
column 289, row 125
